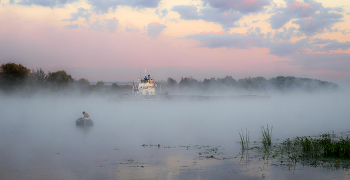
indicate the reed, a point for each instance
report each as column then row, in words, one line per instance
column 266, row 135
column 325, row 147
column 244, row 139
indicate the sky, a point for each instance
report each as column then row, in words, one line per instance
column 115, row 40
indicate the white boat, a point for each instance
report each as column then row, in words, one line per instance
column 145, row 87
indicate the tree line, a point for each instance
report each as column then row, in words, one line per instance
column 18, row 77
column 256, row 84
column 15, row 77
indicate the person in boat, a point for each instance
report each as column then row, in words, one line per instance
column 86, row 115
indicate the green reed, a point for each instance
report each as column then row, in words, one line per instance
column 266, row 136
column 244, row 139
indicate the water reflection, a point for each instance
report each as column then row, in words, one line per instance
column 84, row 128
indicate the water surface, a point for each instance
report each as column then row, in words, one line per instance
column 39, row 138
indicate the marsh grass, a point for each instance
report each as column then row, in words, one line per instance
column 319, row 151
column 326, row 151
column 325, row 147
column 244, row 139
column 266, row 136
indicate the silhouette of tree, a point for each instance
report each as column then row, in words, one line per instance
column 188, row 82
column 83, row 82
column 114, row 86
column 38, row 77
column 12, row 75
column 100, row 84
column 171, row 82
column 59, row 78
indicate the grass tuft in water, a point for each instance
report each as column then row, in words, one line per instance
column 266, row 135
column 319, row 151
column 244, row 139
column 325, row 147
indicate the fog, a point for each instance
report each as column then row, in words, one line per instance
column 39, row 138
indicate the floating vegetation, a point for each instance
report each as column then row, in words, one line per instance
column 322, row 147
column 266, row 136
column 211, row 156
column 244, row 139
column 325, row 151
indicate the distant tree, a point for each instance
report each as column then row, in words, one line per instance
column 114, row 86
column 59, row 78
column 100, row 84
column 38, row 77
column 246, row 83
column 228, row 80
column 12, row 74
column 171, row 82
column 289, row 83
column 184, row 82
column 208, row 82
column 83, row 83
column 188, row 81
column 259, row 83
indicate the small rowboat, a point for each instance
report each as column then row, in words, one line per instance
column 84, row 122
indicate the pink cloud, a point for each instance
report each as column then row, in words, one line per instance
column 214, row 32
column 219, row 32
column 295, row 4
column 249, row 1
column 244, row 34
column 155, row 23
column 309, row 51
column 114, row 18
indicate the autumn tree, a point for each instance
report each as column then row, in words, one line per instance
column 59, row 78
column 12, row 75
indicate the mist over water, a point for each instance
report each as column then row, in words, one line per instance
column 39, row 138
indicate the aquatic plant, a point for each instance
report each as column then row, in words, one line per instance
column 325, row 147
column 266, row 135
column 244, row 139
column 326, row 150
